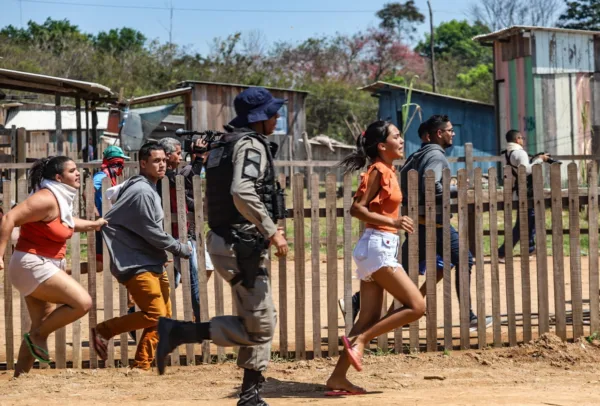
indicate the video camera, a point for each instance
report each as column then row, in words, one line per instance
column 189, row 141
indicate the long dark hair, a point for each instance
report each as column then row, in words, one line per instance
column 366, row 146
column 46, row 168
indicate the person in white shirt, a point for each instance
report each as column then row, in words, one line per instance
column 515, row 156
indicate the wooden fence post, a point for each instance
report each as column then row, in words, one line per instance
column 541, row 255
column 413, row 249
column 479, row 263
column 8, row 302
column 168, row 226
column 524, row 245
column 348, row 255
column 107, row 276
column 558, row 262
column 574, row 243
column 25, row 319
column 593, row 244
column 75, row 242
column 91, row 260
column 299, row 262
column 508, row 252
column 446, row 212
column 463, row 271
column 397, row 332
column 184, row 265
column 332, row 268
column 201, row 255
column 495, row 272
column 431, row 260
column 315, row 264
column 283, row 308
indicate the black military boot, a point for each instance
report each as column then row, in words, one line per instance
column 250, row 389
column 173, row 333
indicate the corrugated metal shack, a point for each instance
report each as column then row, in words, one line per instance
column 472, row 120
column 209, row 106
column 547, row 85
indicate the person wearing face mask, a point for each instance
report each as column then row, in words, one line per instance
column 137, row 244
column 37, row 266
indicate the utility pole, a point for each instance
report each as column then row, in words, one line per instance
column 431, row 42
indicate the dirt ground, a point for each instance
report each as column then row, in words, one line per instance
column 545, row 372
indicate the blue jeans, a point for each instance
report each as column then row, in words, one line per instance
column 194, row 284
column 517, row 233
column 439, row 249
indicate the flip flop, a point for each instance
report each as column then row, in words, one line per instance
column 100, row 345
column 344, row 393
column 33, row 348
column 352, row 355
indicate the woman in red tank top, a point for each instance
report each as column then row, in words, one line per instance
column 37, row 266
column 377, row 204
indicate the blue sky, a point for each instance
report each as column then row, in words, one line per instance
column 196, row 29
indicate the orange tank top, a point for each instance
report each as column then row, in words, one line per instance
column 45, row 239
column 388, row 198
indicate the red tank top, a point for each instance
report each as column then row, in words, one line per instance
column 45, row 239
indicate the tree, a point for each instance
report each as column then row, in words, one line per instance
column 453, row 39
column 52, row 35
column 581, row 15
column 400, row 18
column 498, row 14
column 118, row 41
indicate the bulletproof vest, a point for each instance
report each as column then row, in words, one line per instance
column 219, row 175
column 515, row 172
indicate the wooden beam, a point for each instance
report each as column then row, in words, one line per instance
column 160, row 96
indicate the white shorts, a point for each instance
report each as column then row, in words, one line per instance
column 27, row 271
column 375, row 250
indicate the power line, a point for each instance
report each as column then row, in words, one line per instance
column 207, row 10
column 217, row 10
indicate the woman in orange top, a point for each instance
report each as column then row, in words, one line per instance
column 377, row 203
column 37, row 266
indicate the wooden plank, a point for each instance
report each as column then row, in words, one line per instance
column 7, row 186
column 107, row 276
column 397, row 332
column 348, row 257
column 593, row 244
column 463, row 278
column 184, row 264
column 479, row 264
column 315, row 264
column 495, row 272
column 76, row 274
column 509, row 266
column 25, row 318
column 332, row 268
column 283, row 316
column 91, row 259
column 574, row 244
column 557, row 252
column 431, row 260
column 201, row 254
column 524, row 250
column 166, row 203
column 542, row 253
column 447, row 259
column 299, row 265
column 413, row 250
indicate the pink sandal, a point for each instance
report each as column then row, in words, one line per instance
column 100, row 345
column 354, row 358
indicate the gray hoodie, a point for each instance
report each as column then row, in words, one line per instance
column 134, row 234
column 429, row 156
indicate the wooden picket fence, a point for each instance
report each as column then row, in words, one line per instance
column 306, row 290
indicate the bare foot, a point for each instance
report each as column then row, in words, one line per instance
column 41, row 342
column 343, row 384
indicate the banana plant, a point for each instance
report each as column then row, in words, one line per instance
column 406, row 108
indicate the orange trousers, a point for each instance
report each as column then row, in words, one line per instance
column 150, row 292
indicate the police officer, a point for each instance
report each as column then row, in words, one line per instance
column 244, row 202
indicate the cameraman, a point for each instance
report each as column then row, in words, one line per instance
column 514, row 156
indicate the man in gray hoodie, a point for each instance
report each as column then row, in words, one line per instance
column 137, row 244
column 437, row 135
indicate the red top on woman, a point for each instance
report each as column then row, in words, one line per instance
column 44, row 239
